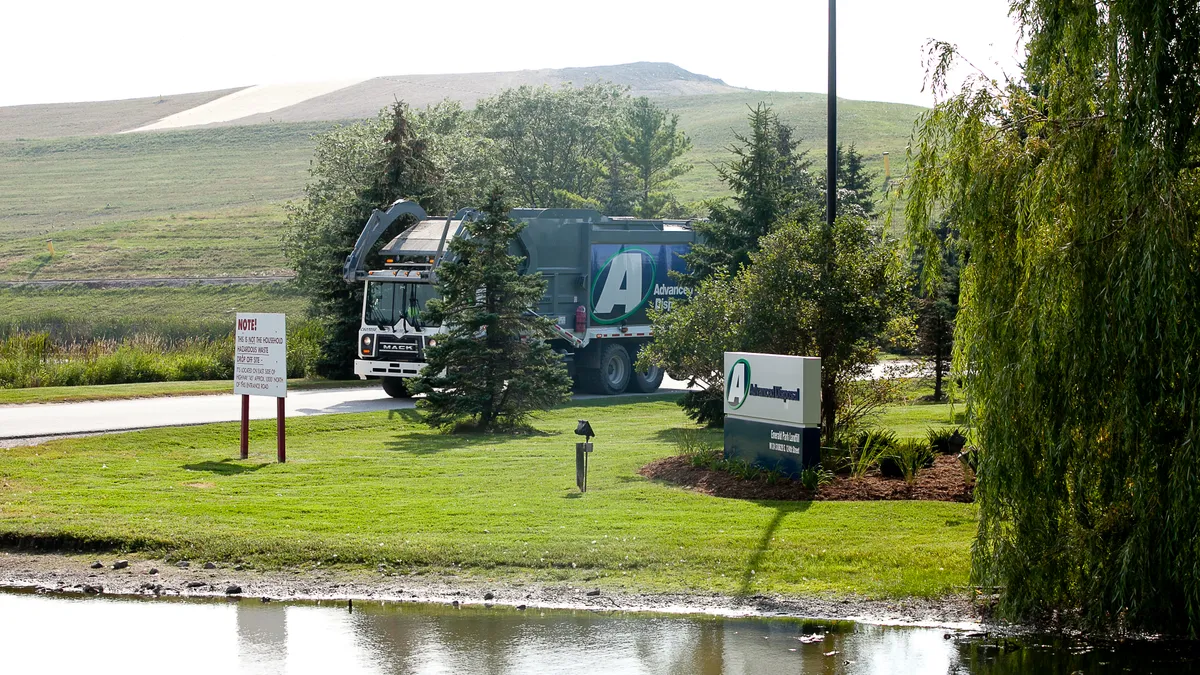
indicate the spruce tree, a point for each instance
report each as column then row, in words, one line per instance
column 356, row 169
column 493, row 366
column 651, row 146
column 770, row 183
column 856, row 185
column 937, row 307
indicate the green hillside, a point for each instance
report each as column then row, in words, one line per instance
column 711, row 121
column 208, row 202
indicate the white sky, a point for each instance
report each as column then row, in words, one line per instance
column 56, row 50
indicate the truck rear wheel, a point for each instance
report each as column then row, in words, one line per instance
column 647, row 381
column 395, row 387
column 613, row 375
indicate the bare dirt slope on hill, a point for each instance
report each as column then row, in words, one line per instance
column 54, row 120
column 367, row 98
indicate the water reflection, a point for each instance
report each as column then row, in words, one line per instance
column 40, row 633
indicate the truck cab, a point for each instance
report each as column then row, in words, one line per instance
column 602, row 275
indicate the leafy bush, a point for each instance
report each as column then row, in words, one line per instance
column 699, row 448
column 946, row 441
column 740, row 468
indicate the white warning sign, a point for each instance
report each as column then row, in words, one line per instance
column 260, row 355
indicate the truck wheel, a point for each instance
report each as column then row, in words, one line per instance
column 613, row 375
column 647, row 381
column 394, row 387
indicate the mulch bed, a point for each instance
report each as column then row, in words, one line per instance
column 943, row 482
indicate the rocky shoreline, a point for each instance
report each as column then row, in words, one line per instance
column 79, row 575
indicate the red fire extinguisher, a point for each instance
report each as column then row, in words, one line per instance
column 580, row 319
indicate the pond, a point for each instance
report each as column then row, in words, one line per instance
column 56, row 633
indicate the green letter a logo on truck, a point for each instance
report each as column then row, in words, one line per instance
column 622, row 285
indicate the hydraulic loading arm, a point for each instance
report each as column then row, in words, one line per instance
column 377, row 224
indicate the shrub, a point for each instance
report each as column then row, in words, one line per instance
column 906, row 460
column 870, row 447
column 740, row 468
column 946, row 440
column 698, row 448
column 814, row 477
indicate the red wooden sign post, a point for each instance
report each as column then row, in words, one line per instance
column 260, row 369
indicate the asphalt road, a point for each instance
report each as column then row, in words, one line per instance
column 37, row 420
column 41, row 420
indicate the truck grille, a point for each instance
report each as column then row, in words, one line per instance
column 402, row 348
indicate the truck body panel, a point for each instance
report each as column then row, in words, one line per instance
column 609, row 269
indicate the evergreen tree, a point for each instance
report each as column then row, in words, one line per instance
column 856, row 185
column 937, row 308
column 619, row 187
column 355, row 169
column 770, row 183
column 650, row 144
column 1077, row 189
column 493, row 365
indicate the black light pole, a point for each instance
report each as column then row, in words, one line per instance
column 831, row 160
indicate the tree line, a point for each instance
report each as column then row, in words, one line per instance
column 598, row 147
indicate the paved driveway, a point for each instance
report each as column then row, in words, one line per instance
column 57, row 419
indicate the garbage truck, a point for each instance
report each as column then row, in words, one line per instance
column 602, row 275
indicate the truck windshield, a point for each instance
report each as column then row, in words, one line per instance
column 389, row 302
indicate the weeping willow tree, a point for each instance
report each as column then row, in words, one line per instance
column 1078, row 190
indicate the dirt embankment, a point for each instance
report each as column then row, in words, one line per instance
column 74, row 574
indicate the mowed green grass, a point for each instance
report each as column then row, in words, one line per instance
column 196, row 303
column 915, row 419
column 376, row 488
column 51, row 185
column 239, row 241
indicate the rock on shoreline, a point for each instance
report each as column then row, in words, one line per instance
column 69, row 573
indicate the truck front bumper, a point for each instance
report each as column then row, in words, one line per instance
column 364, row 369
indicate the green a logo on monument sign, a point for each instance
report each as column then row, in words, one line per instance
column 737, row 383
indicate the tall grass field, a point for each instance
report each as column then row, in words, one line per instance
column 80, row 336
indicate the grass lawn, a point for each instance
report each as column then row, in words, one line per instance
column 28, row 305
column 368, row 488
column 912, row 421
column 104, row 392
column 239, row 241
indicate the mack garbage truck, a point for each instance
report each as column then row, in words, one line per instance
column 602, row 275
